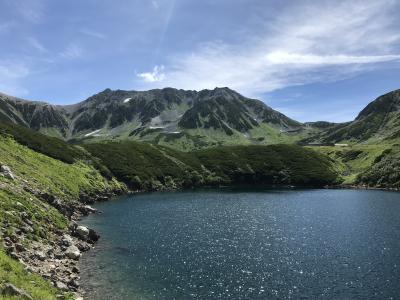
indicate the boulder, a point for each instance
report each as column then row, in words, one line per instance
column 82, row 232
column 7, row 173
column 66, row 240
column 83, row 246
column 61, row 286
column 93, row 236
column 9, row 289
column 40, row 255
column 73, row 252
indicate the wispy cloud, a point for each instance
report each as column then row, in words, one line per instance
column 6, row 26
column 157, row 75
column 155, row 4
column 32, row 11
column 306, row 43
column 93, row 33
column 37, row 45
column 72, row 51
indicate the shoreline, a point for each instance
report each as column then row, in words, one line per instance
column 57, row 259
column 344, row 187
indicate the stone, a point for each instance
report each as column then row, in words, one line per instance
column 14, row 238
column 90, row 209
column 7, row 173
column 83, row 247
column 40, row 255
column 66, row 240
column 7, row 240
column 93, row 236
column 82, row 232
column 19, row 247
column 72, row 252
column 61, row 286
column 27, row 229
column 10, row 290
column 13, row 255
column 58, row 255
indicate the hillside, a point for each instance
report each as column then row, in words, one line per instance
column 378, row 122
column 40, row 196
column 143, row 166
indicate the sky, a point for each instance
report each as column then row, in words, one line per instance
column 312, row 60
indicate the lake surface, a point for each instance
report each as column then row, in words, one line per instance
column 280, row 244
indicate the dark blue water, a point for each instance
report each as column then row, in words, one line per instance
column 311, row 244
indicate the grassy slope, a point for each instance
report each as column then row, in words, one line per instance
column 50, row 175
column 385, row 170
column 45, row 174
column 145, row 166
column 353, row 161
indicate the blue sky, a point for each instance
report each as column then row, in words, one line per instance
column 312, row 60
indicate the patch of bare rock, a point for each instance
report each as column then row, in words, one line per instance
column 56, row 260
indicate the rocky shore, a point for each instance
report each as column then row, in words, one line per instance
column 55, row 257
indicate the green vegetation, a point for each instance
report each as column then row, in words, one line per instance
column 229, row 139
column 13, row 272
column 39, row 177
column 354, row 160
column 49, row 146
column 378, row 122
column 144, row 166
column 385, row 170
column 274, row 164
column 52, row 176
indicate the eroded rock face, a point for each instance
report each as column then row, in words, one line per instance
column 6, row 172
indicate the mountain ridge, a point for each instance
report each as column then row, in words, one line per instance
column 189, row 119
column 195, row 118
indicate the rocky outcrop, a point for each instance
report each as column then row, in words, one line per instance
column 82, row 232
column 73, row 252
column 56, row 257
column 6, row 172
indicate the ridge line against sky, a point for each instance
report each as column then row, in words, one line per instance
column 312, row 60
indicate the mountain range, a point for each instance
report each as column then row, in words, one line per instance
column 195, row 119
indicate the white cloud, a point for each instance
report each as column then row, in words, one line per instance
column 304, row 44
column 93, row 33
column 37, row 45
column 157, row 75
column 310, row 59
column 72, row 51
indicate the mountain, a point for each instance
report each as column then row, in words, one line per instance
column 185, row 119
column 378, row 121
column 39, row 116
column 189, row 120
